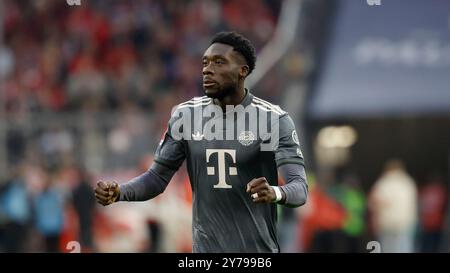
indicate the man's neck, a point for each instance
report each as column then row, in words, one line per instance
column 233, row 98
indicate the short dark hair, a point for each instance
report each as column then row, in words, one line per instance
column 239, row 44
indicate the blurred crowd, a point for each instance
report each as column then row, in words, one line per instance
column 116, row 55
column 85, row 94
column 396, row 214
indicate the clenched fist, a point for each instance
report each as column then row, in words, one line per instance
column 261, row 191
column 107, row 193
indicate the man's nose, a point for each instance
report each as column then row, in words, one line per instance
column 207, row 70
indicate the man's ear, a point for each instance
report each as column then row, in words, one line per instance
column 243, row 72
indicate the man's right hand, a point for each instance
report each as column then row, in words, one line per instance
column 107, row 193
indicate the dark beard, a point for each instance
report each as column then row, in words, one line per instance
column 223, row 92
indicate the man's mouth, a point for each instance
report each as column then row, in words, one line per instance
column 209, row 83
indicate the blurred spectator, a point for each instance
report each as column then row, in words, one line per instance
column 346, row 191
column 15, row 214
column 354, row 202
column 322, row 219
column 393, row 204
column 15, row 141
column 433, row 198
column 84, row 204
column 49, row 208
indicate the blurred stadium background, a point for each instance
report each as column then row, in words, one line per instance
column 86, row 91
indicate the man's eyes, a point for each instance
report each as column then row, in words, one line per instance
column 205, row 63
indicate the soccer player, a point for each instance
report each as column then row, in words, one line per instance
column 234, row 181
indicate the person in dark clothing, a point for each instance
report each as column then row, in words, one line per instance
column 84, row 204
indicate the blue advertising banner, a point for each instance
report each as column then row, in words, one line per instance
column 386, row 60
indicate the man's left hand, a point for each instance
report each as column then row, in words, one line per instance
column 261, row 191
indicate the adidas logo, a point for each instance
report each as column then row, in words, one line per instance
column 197, row 136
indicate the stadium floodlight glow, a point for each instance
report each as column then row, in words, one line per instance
column 337, row 136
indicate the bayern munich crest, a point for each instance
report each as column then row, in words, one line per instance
column 246, row 138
